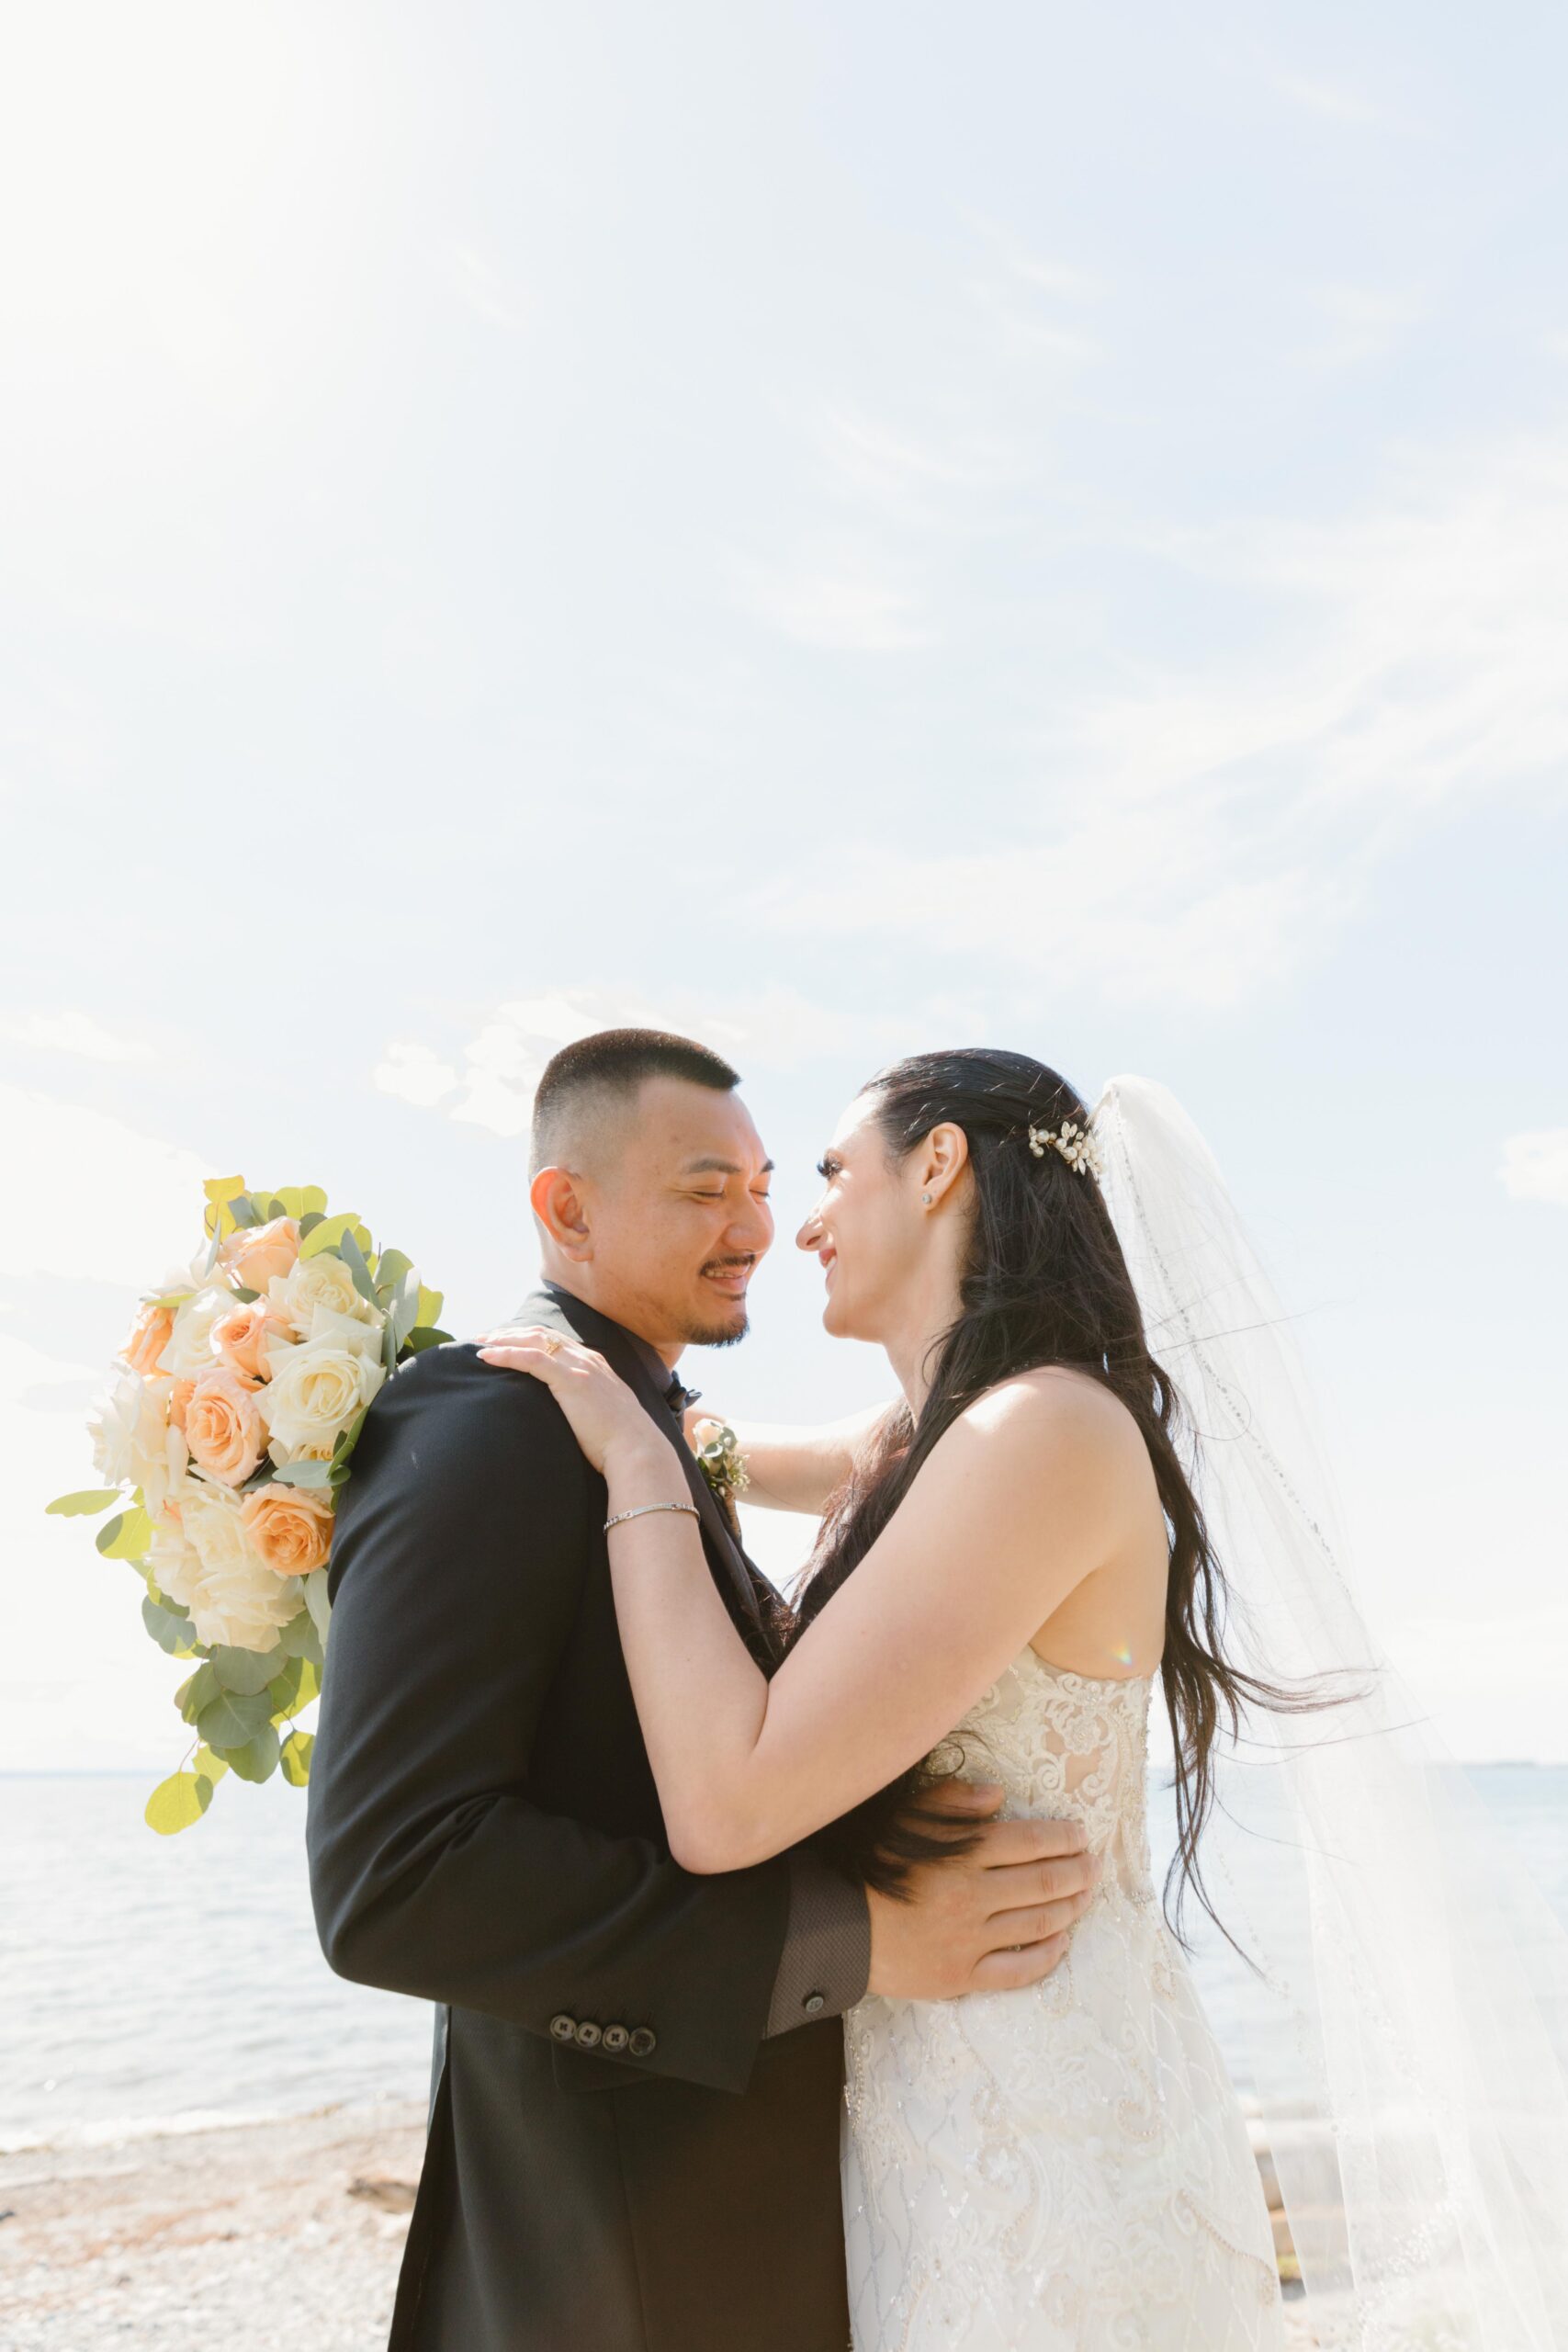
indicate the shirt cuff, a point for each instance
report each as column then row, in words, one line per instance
column 826, row 1960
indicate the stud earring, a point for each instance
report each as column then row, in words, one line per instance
column 927, row 1198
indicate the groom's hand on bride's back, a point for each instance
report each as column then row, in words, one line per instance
column 1023, row 1883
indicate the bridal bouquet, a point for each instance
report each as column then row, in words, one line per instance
column 225, row 1434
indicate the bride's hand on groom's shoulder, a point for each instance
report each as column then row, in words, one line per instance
column 606, row 1418
column 988, row 1920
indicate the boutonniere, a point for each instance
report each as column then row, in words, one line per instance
column 722, row 1463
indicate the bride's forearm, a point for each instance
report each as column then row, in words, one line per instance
column 700, row 1700
column 800, row 1468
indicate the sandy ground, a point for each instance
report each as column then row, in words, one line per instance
column 281, row 2234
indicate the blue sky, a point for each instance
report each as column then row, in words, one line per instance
column 842, row 529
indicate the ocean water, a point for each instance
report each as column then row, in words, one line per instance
column 150, row 1983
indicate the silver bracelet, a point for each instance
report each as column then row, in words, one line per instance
column 647, row 1507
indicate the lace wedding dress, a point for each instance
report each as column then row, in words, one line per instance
column 1066, row 2168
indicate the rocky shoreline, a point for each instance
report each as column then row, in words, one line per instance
column 286, row 2231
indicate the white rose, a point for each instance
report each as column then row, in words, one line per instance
column 190, row 1351
column 128, row 1425
column 325, row 1282
column 315, row 1390
column 233, row 1598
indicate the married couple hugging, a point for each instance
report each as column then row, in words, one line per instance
column 801, row 1981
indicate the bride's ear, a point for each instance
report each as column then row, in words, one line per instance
column 941, row 1160
column 557, row 1201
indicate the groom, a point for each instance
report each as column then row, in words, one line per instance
column 633, row 2128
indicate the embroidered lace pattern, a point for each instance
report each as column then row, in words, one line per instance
column 1065, row 2168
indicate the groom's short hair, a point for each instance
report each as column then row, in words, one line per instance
column 603, row 1072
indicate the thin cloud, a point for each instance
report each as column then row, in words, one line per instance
column 1223, row 828
column 1535, row 1166
column 72, row 1033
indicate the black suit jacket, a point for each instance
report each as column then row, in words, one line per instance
column 618, row 2159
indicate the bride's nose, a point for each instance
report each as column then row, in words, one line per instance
column 810, row 1233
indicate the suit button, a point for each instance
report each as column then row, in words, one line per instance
column 642, row 2042
column 813, row 2002
column 562, row 2028
column 587, row 2034
column 617, row 2038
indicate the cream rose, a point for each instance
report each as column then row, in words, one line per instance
column 222, row 1427
column 323, row 1281
column 291, row 1529
column 190, row 1351
column 134, row 1442
column 255, row 1253
column 233, row 1598
column 315, row 1390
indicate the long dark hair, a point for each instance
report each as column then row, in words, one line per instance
column 1043, row 1282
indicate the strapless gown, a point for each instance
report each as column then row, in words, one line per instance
column 1065, row 2168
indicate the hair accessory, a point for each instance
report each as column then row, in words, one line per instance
column 1076, row 1144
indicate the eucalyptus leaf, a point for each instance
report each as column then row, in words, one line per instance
column 354, row 1258
column 177, row 1803
column 246, row 1297
column 197, row 1691
column 243, row 1210
column 257, row 1760
column 283, row 1688
column 316, row 1600
column 275, row 1207
column 307, row 1473
column 126, row 1536
column 232, row 1718
column 391, row 1268
column 301, row 1639
column 348, row 1436
column 430, row 1304
column 327, row 1234
column 84, row 1504
column 427, row 1336
column 297, row 1757
column 170, row 1626
column 405, row 1314
column 308, row 1224
column 246, row 1672
column 209, row 1766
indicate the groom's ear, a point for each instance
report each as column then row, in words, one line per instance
column 555, row 1198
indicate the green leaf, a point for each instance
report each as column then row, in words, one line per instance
column 347, row 1437
column 299, row 1683
column 301, row 1639
column 354, row 1258
column 316, row 1600
column 170, row 1626
column 297, row 1757
column 197, row 1691
column 257, row 1760
column 232, row 1718
column 245, row 1672
column 177, row 1803
column 329, row 1232
column 126, row 1536
column 275, row 1207
column 422, row 1337
column 430, row 1304
column 307, row 1473
column 405, row 1314
column 246, row 1297
column 308, row 1224
column 84, row 1504
column 243, row 1210
column 209, row 1765
column 391, row 1270
column 283, row 1688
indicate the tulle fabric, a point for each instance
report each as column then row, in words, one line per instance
column 1406, row 2038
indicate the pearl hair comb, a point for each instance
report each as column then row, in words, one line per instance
column 1078, row 1146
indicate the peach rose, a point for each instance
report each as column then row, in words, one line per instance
column 223, row 1428
column 149, row 1335
column 240, row 1336
column 291, row 1529
column 252, row 1255
column 180, row 1394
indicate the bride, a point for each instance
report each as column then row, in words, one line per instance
column 1010, row 1559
